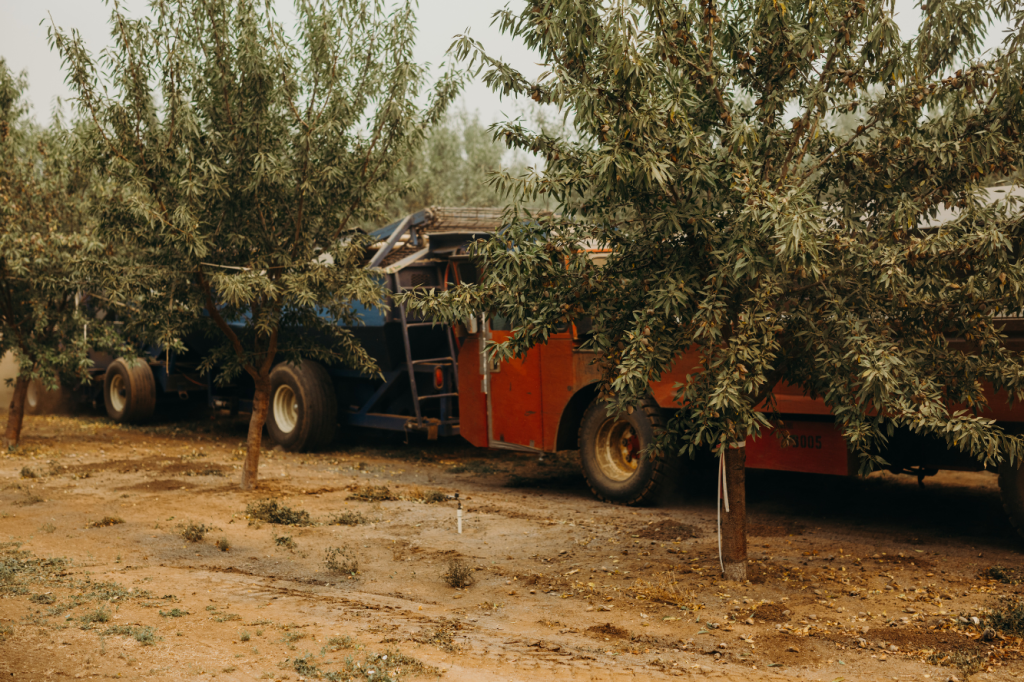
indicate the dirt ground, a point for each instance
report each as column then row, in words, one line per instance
column 871, row 579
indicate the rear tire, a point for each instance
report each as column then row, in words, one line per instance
column 609, row 455
column 1011, row 489
column 129, row 391
column 303, row 408
column 40, row 400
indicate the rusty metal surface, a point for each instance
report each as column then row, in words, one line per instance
column 461, row 219
column 444, row 220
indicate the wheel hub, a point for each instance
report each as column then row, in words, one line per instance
column 118, row 393
column 286, row 408
column 618, row 449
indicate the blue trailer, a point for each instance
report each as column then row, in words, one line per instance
column 417, row 358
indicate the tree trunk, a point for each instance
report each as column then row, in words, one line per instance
column 734, row 523
column 16, row 413
column 260, row 406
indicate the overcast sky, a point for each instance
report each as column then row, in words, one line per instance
column 23, row 41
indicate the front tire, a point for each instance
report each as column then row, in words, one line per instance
column 129, row 391
column 1011, row 489
column 303, row 408
column 610, row 447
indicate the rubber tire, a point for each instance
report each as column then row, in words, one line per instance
column 654, row 479
column 140, row 391
column 1011, row 489
column 318, row 406
column 39, row 400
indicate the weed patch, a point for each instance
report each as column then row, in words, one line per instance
column 1008, row 576
column 273, row 512
column 105, row 522
column 100, row 615
column 143, row 634
column 349, row 518
column 443, row 636
column 28, row 473
column 284, row 541
column 373, row 493
column 42, row 598
column 457, row 574
column 1008, row 617
column 344, row 642
column 433, row 497
column 173, row 613
column 223, row 544
column 967, row 662
column 389, row 666
column 478, row 467
column 194, row 532
column 340, row 560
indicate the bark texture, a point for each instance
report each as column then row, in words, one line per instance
column 734, row 523
column 16, row 414
column 260, row 407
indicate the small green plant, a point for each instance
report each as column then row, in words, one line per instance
column 348, row 518
column 284, row 541
column 433, row 497
column 143, row 634
column 174, row 613
column 223, row 544
column 6, row 631
column 343, row 642
column 273, row 512
column 42, row 598
column 372, row 493
column 457, row 574
column 28, row 473
column 244, row 636
column 99, row 615
column 194, row 532
column 48, row 528
column 340, row 560
column 106, row 521
column 1008, row 616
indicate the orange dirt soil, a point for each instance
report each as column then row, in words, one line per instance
column 870, row 579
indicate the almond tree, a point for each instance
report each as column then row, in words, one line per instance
column 242, row 159
column 743, row 221
column 48, row 253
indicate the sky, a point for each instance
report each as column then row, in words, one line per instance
column 23, row 42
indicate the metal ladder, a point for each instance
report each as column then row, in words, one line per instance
column 450, row 361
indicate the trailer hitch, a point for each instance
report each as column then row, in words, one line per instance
column 920, row 472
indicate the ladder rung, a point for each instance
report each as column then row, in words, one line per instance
column 446, row 360
column 437, row 395
column 423, row 324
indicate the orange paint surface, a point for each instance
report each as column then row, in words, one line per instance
column 819, row 449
